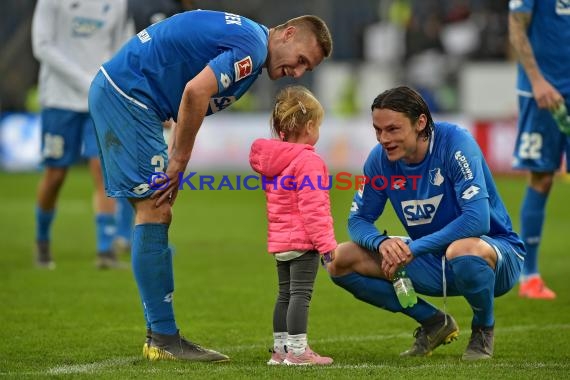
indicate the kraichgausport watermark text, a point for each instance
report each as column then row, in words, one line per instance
column 340, row 181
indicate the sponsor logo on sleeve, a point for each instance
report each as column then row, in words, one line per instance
column 232, row 19
column 463, row 165
column 218, row 104
column 243, row 68
column 143, row 36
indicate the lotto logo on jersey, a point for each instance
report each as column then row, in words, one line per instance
column 243, row 68
column 218, row 104
column 563, row 7
column 420, row 211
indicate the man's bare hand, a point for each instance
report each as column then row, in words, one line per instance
column 394, row 253
column 546, row 95
column 167, row 187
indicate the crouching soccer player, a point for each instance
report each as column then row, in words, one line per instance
column 462, row 240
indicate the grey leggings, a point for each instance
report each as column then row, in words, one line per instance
column 296, row 279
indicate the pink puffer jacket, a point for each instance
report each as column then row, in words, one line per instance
column 299, row 216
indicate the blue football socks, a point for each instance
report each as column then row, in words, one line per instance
column 105, row 227
column 43, row 224
column 380, row 293
column 532, row 220
column 152, row 268
column 125, row 219
column 475, row 280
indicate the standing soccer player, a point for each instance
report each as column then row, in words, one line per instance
column 71, row 39
column 540, row 34
column 183, row 68
column 462, row 240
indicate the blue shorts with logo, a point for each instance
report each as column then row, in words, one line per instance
column 130, row 138
column 427, row 276
column 540, row 144
column 66, row 136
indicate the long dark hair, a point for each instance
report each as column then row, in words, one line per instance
column 405, row 100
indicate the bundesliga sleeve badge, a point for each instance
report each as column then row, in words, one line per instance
column 243, row 68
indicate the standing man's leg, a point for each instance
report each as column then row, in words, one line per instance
column 103, row 206
column 532, row 221
column 539, row 150
column 61, row 146
column 48, row 191
column 124, row 217
column 125, row 130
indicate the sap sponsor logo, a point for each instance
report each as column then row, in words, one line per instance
column 470, row 192
column 218, row 104
column 421, row 211
column 464, row 165
column 85, row 27
column 243, row 68
column 435, row 177
column 225, row 80
column 143, row 36
column 232, row 19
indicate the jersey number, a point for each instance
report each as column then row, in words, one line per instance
column 53, row 146
column 158, row 163
column 530, row 146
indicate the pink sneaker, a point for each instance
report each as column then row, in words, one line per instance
column 309, row 357
column 535, row 288
column 277, row 358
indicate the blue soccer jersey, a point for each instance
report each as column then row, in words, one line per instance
column 430, row 197
column 155, row 65
column 548, row 33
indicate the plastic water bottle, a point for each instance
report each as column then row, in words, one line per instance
column 562, row 119
column 404, row 289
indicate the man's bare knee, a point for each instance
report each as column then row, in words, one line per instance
column 342, row 260
column 147, row 212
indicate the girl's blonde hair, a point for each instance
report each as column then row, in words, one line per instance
column 294, row 107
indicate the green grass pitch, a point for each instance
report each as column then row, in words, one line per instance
column 80, row 322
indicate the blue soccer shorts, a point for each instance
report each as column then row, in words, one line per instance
column 66, row 136
column 130, row 138
column 426, row 271
column 540, row 145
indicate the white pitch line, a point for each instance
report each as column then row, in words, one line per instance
column 117, row 362
column 90, row 367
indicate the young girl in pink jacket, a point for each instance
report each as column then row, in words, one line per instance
column 300, row 223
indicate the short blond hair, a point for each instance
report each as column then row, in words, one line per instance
column 294, row 107
column 317, row 27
